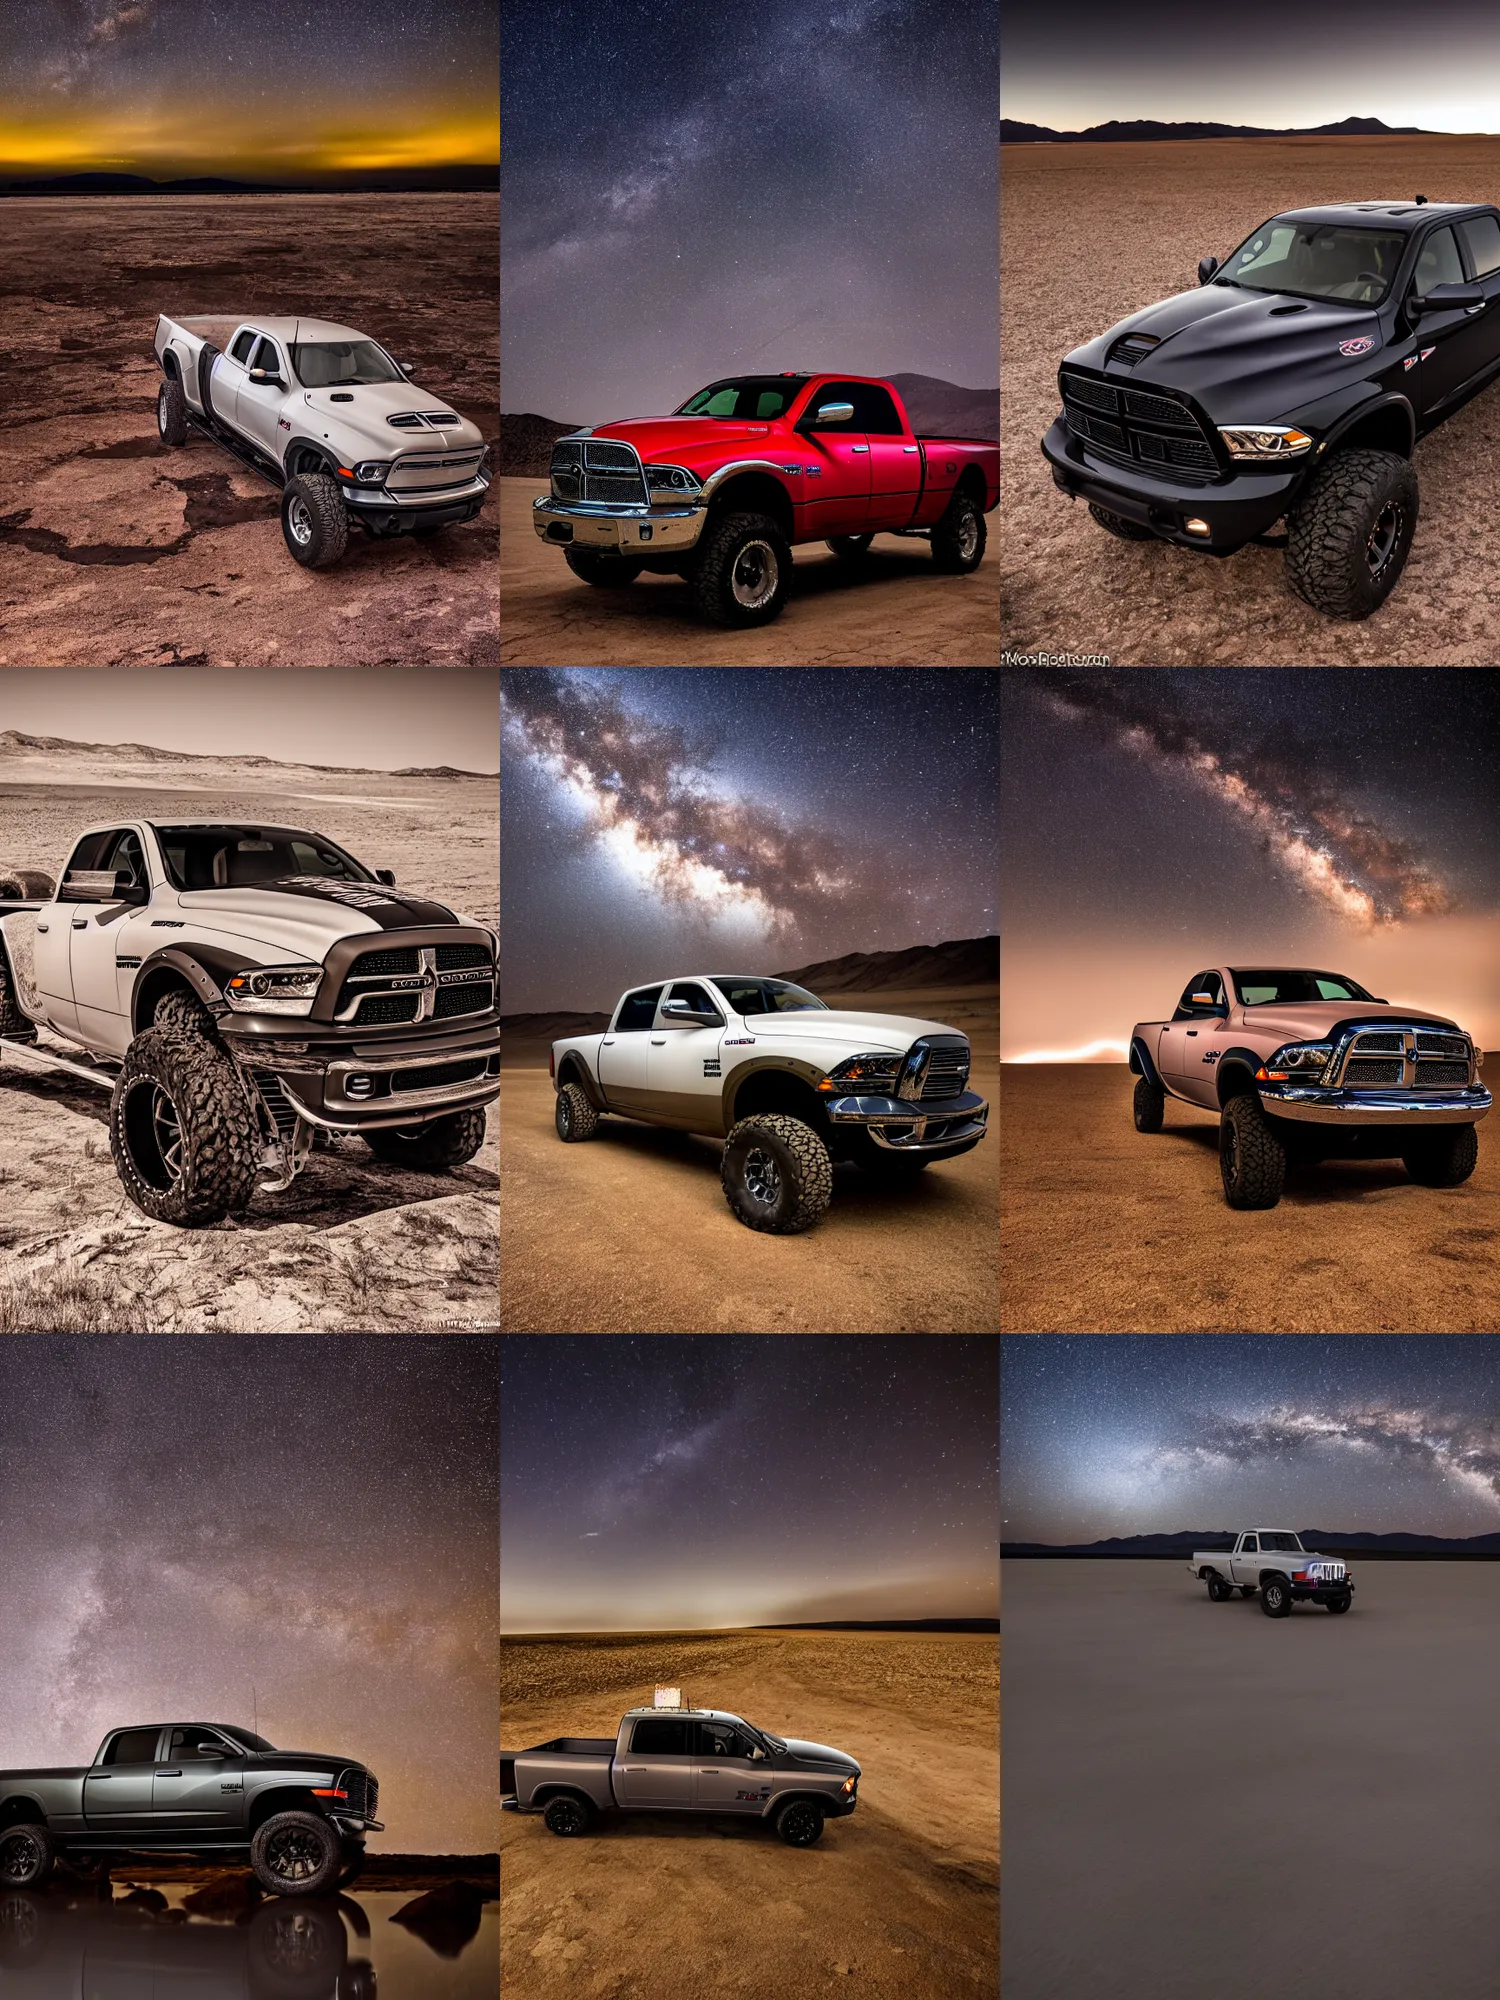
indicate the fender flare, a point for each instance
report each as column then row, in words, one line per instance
column 592, row 1089
column 202, row 966
column 1391, row 400
column 806, row 1072
column 1229, row 1062
column 777, row 1800
column 1141, row 1063
column 207, row 355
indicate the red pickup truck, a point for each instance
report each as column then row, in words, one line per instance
column 720, row 491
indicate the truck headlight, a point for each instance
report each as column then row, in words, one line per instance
column 868, row 1072
column 374, row 472
column 275, row 989
column 671, row 479
column 1265, row 440
column 848, row 1785
column 1294, row 1060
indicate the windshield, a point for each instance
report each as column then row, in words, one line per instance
column 777, row 1743
column 1265, row 989
column 245, row 1736
column 342, row 364
column 241, row 857
column 759, row 396
column 1287, row 1545
column 767, row 996
column 1317, row 260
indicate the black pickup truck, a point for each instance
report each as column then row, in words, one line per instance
column 1293, row 384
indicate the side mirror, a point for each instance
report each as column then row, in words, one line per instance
column 212, row 1750
column 386, row 875
column 835, row 413
column 101, row 885
column 1206, row 268
column 405, row 367
column 1445, row 298
column 684, row 1010
column 267, row 377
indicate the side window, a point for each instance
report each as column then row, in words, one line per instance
column 183, row 1746
column 834, row 392
column 126, row 858
column 875, row 412
column 1438, row 263
column 638, row 1011
column 695, row 996
column 660, row 1739
column 89, row 853
column 265, row 356
column 1482, row 234
column 1251, row 1546
column 722, row 1739
column 133, row 1746
column 244, row 340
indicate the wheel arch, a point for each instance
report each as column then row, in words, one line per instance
column 1386, row 424
column 779, row 1801
column 21, row 1809
column 573, row 1069
column 774, row 1083
column 754, row 489
column 1142, row 1064
column 1236, row 1074
column 182, row 969
column 971, row 481
column 169, row 366
column 545, row 1794
column 306, row 455
column 279, row 1799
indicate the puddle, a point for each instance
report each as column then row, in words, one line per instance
column 136, row 447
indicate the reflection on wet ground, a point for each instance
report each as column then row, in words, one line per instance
column 169, row 1942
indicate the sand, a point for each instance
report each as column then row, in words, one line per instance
column 900, row 1899
column 896, row 612
column 117, row 552
column 1093, row 232
column 1108, row 1230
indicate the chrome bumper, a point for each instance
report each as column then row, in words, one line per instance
column 593, row 525
column 907, row 1125
column 1317, row 1105
column 415, row 499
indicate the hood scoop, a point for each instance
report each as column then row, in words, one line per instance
column 419, row 420
column 342, row 396
column 1280, row 312
column 1132, row 348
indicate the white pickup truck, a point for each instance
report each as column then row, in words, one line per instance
column 324, row 413
column 789, row 1084
column 1274, row 1562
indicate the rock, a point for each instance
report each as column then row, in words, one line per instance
column 230, row 1897
column 446, row 1919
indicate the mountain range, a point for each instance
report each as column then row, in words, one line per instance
column 1329, row 1541
column 20, row 742
column 1015, row 131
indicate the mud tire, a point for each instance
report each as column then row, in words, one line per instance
column 958, row 539
column 1276, row 1597
column 185, row 1014
column 1117, row 525
column 720, row 551
column 776, row 1173
column 1150, row 1105
column 13, row 1023
column 171, row 412
column 800, row 1823
column 434, row 1148
column 1252, row 1159
column 322, row 1854
column 850, row 548
column 573, row 1115
column 607, row 572
column 314, row 523
column 1335, row 525
column 1219, row 1591
column 218, row 1141
column 28, row 1855
column 1446, row 1159
column 568, row 1816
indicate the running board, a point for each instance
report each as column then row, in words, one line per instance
column 29, row 1052
column 246, row 454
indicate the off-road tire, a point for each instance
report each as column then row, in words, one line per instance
column 1150, row 1105
column 568, row 1817
column 1338, row 1603
column 1335, row 524
column 850, row 548
column 28, row 1854
column 727, row 544
column 432, row 1148
column 1276, row 1597
column 314, row 523
column 608, row 572
column 304, row 1841
column 185, row 1014
column 13, row 1023
column 1219, row 1591
column 776, row 1173
column 218, row 1149
column 958, row 539
column 573, row 1115
column 171, row 412
column 1252, row 1159
column 1446, row 1159
column 800, row 1823
column 1117, row 525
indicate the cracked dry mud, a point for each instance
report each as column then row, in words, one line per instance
column 114, row 550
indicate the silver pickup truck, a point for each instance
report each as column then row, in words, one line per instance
column 689, row 1760
column 1273, row 1562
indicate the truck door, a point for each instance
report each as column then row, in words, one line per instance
column 199, row 1781
column 1175, row 1052
column 837, row 491
column 683, row 1066
column 257, row 405
column 658, row 1769
column 100, row 987
column 624, row 1050
column 117, row 1793
column 895, row 460
column 724, row 1778
column 1455, row 343
column 1200, row 1040
column 1244, row 1564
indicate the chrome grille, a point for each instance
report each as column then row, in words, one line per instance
column 381, row 1010
column 1443, row 1045
column 363, row 1794
column 1409, row 1056
column 375, row 964
column 458, row 957
column 587, row 469
column 1394, row 1042
column 947, row 1072
column 1372, row 1070
column 1432, row 1071
column 417, row 983
column 468, row 999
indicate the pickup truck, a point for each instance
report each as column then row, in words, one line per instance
column 720, row 491
column 200, row 1788
column 1308, row 1065
column 695, row 1760
column 1274, row 1562
column 789, row 1085
column 242, row 990
column 324, row 413
column 1294, row 383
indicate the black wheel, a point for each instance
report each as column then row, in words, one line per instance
column 1150, row 1105
column 1443, row 1157
column 13, row 1023
column 186, row 1013
column 1218, row 1589
column 568, row 1817
column 314, row 523
column 182, row 1130
column 1276, row 1597
column 434, row 1147
column 27, row 1857
column 573, row 1114
column 297, row 1854
column 1338, row 1603
column 609, row 572
column 743, row 571
column 958, row 539
column 800, row 1823
column 171, row 412
column 1117, row 525
column 1252, row 1159
column 776, row 1173
column 850, row 548
column 1349, row 535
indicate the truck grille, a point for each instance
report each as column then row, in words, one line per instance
column 1138, row 428
column 364, row 1794
column 1371, row 1070
column 584, row 469
column 431, row 1075
column 1443, row 1045
column 441, row 997
column 377, row 1010
column 467, row 999
column 947, row 1072
column 1430, row 1072
column 1410, row 1057
column 1394, row 1042
column 425, row 472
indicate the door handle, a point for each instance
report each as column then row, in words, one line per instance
column 859, row 447
column 709, row 1771
column 658, row 1041
column 169, row 1774
column 80, row 923
column 910, row 450
column 609, row 1041
column 41, row 927
column 635, row 1769
column 1192, row 1031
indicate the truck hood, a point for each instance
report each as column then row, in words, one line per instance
column 671, row 440
column 1311, row 1020
column 307, row 1760
column 307, row 920
column 819, row 1753
column 896, row 1032
column 374, row 402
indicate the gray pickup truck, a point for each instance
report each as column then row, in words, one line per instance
column 688, row 1760
column 200, row 1788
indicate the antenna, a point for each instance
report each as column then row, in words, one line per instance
column 254, row 1710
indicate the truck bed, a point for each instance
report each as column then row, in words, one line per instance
column 574, row 1746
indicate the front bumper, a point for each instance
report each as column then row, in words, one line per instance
column 402, row 510
column 1317, row 1104
column 1320, row 1593
column 618, row 529
column 914, row 1125
column 414, row 1076
column 840, row 1807
column 1236, row 509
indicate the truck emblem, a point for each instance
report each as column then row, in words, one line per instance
column 711, row 1066
column 1425, row 352
column 1361, row 345
column 1411, row 360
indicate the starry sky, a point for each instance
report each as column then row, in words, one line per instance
column 700, row 190
column 184, row 1520
column 1072, row 63
column 695, row 1482
column 276, row 90
column 1138, row 1434
column 739, row 819
column 1157, row 822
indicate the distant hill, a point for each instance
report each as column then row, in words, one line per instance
column 942, row 409
column 412, row 180
column 1329, row 1541
column 526, row 443
column 1016, row 131
column 20, row 742
column 888, row 1625
column 962, row 962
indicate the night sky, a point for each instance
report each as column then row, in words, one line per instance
column 660, row 822
column 680, row 1483
column 1072, row 63
column 1159, row 822
column 699, row 190
column 269, row 90
column 181, row 1520
column 1139, row 1434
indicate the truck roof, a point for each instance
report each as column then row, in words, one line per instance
column 305, row 329
column 712, row 1714
column 216, row 819
column 1400, row 215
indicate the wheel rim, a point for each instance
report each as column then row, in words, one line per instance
column 299, row 520
column 20, row 1857
column 567, row 1817
column 295, row 1943
column 968, row 535
column 755, row 575
column 1384, row 536
column 762, row 1177
column 801, row 1822
column 1231, row 1152
column 295, row 1854
column 564, row 1116
column 161, row 411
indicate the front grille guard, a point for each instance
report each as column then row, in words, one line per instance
column 572, row 475
column 1413, row 1057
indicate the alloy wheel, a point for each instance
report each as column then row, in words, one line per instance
column 166, row 1128
column 294, row 1854
column 20, row 1858
column 299, row 520
column 755, row 575
column 762, row 1177
column 1384, row 536
column 968, row 536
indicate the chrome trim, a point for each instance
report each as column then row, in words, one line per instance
column 425, row 982
column 475, row 1090
column 1317, row 1104
column 612, row 525
column 715, row 480
column 901, row 1126
column 914, row 1069
column 604, row 472
column 859, row 447
column 415, row 497
column 1347, row 1050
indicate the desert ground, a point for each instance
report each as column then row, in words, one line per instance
column 115, row 551
column 1108, row 1230
column 894, row 613
column 898, row 1900
column 353, row 1244
column 575, row 1259
column 1169, row 1792
column 1093, row 232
